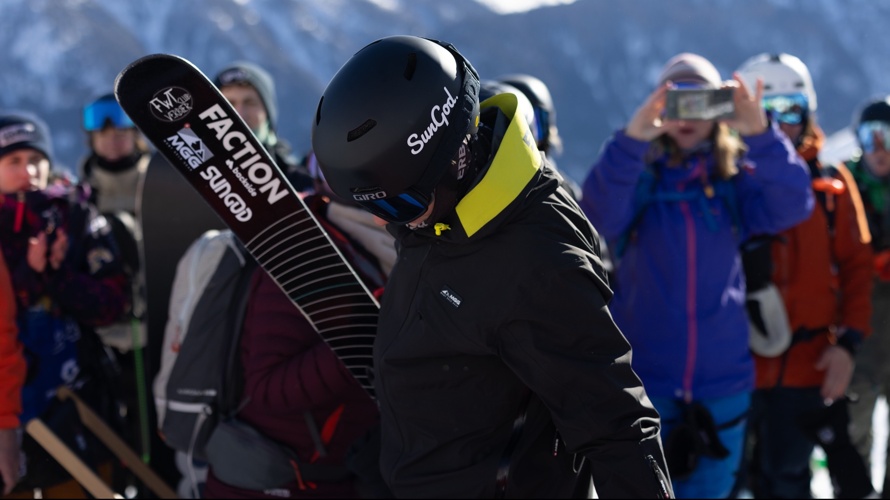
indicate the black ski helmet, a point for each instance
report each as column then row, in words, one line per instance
column 491, row 88
column 545, row 113
column 391, row 121
column 877, row 110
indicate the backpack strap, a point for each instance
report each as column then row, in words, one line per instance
column 644, row 194
column 647, row 193
column 827, row 186
column 233, row 378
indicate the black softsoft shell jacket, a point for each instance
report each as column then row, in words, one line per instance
column 477, row 331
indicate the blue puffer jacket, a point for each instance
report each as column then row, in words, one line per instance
column 680, row 293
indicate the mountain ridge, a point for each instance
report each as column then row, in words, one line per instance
column 600, row 59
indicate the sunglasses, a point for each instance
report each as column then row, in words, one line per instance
column 867, row 132
column 100, row 114
column 789, row 109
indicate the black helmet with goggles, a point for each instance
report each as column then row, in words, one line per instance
column 391, row 121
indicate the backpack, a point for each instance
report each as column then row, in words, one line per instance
column 200, row 379
column 767, row 317
column 128, row 333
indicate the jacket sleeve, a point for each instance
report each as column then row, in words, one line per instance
column 91, row 284
column 562, row 342
column 287, row 366
column 774, row 185
column 18, row 223
column 608, row 191
column 854, row 257
column 12, row 362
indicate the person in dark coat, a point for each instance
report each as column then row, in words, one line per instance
column 498, row 369
column 298, row 392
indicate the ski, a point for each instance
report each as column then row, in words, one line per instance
column 192, row 124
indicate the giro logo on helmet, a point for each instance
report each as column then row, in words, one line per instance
column 377, row 195
column 439, row 118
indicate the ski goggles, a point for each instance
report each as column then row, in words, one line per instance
column 790, row 109
column 413, row 202
column 399, row 209
column 103, row 113
column 542, row 123
column 867, row 132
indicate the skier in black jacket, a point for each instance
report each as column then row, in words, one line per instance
column 499, row 370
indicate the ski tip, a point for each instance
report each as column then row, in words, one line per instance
column 145, row 61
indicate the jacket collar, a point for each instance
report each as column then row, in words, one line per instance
column 514, row 165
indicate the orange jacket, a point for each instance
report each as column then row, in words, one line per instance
column 12, row 362
column 826, row 281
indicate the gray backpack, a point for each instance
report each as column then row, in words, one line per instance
column 200, row 379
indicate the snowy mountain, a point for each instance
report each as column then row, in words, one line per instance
column 599, row 58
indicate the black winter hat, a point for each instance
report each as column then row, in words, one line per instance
column 24, row 131
column 256, row 77
column 877, row 110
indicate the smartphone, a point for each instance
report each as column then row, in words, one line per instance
column 699, row 104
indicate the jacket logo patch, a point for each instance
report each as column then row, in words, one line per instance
column 450, row 296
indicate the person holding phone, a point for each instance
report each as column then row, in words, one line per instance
column 674, row 199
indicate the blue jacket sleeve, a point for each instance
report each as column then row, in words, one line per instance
column 773, row 185
column 608, row 190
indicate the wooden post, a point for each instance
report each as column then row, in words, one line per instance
column 117, row 445
column 68, row 459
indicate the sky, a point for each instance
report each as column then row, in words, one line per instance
column 513, row 6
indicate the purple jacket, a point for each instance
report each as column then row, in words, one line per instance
column 679, row 291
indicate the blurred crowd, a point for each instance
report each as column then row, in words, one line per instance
column 750, row 281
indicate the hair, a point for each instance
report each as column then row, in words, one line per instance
column 809, row 128
column 728, row 148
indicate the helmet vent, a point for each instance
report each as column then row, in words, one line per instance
column 411, row 66
column 318, row 111
column 361, row 130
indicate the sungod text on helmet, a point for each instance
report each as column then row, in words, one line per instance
column 439, row 118
column 258, row 172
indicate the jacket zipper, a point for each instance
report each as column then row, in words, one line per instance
column 692, row 320
column 663, row 490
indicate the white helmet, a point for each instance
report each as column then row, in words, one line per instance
column 782, row 74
